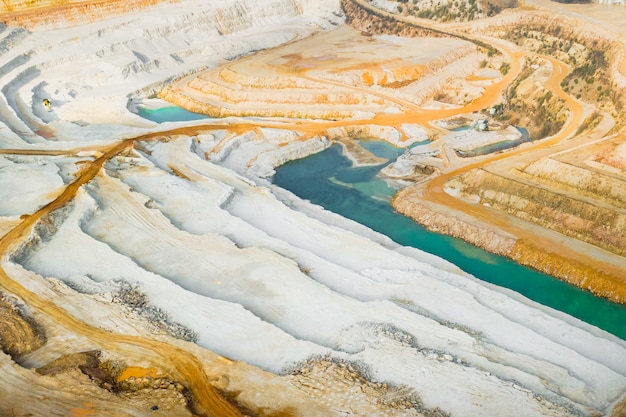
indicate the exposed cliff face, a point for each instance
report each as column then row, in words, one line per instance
column 136, row 53
column 48, row 14
column 575, row 272
column 19, row 334
column 578, row 273
column 438, row 222
column 548, row 207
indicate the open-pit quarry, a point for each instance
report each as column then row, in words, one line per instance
column 153, row 268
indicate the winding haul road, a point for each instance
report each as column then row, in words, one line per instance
column 604, row 266
column 170, row 360
column 434, row 190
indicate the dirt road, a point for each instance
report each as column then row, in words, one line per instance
column 589, row 259
column 177, row 363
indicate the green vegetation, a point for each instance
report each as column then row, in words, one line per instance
column 589, row 79
column 375, row 22
column 505, row 68
column 453, row 10
column 542, row 113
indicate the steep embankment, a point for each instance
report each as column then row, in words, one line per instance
column 20, row 334
column 40, row 14
column 138, row 52
column 337, row 75
column 595, row 217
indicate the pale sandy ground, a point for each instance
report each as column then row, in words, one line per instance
column 336, row 74
column 552, row 78
column 608, row 16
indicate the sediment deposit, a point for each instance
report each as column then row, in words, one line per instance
column 327, row 77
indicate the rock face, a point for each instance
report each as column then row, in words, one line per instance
column 19, row 334
column 450, row 225
column 329, row 77
column 64, row 13
column 344, row 386
column 572, row 193
column 551, row 208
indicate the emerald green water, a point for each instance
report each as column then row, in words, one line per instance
column 328, row 179
column 169, row 114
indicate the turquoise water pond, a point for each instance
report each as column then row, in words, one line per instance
column 328, row 179
column 169, row 114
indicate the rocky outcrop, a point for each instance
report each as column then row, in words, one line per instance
column 19, row 333
column 524, row 252
column 52, row 14
column 327, row 379
column 569, row 214
column 453, row 226
column 578, row 273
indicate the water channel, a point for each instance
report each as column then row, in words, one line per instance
column 328, row 179
column 169, row 114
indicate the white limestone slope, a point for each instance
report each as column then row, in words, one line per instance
column 257, row 273
column 261, row 282
column 88, row 73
